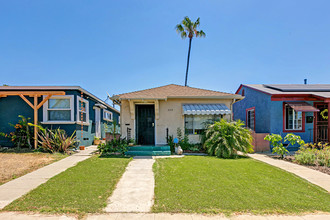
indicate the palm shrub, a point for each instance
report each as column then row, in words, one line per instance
column 224, row 139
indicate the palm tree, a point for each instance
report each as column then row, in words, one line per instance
column 187, row 28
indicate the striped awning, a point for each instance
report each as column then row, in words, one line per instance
column 205, row 109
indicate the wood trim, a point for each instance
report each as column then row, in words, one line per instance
column 293, row 131
column 295, row 97
column 31, row 93
column 43, row 101
column 26, row 100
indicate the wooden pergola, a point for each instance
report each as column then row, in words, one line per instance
column 35, row 106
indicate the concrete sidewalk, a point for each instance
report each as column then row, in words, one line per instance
column 18, row 187
column 313, row 176
column 160, row 216
column 135, row 189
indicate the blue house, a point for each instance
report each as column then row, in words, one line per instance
column 301, row 109
column 70, row 108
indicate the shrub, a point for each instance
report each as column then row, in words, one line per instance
column 305, row 156
column 276, row 141
column 114, row 146
column 23, row 134
column 170, row 142
column 183, row 140
column 313, row 154
column 55, row 140
column 224, row 139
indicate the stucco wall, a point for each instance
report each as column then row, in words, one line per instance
column 261, row 102
column 170, row 116
column 277, row 123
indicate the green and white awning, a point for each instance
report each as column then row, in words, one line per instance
column 205, row 109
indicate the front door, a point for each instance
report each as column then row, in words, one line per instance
column 98, row 122
column 145, row 124
column 321, row 123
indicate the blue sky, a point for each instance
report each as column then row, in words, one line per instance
column 122, row 46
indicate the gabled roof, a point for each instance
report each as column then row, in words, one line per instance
column 320, row 90
column 175, row 91
column 55, row 88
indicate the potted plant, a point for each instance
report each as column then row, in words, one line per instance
column 97, row 140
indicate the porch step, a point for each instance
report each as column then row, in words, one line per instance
column 149, row 151
column 150, row 148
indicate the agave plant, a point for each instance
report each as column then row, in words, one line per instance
column 55, row 140
column 224, row 139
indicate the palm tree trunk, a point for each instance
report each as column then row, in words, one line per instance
column 185, row 84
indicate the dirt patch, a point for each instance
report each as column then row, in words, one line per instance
column 13, row 165
column 290, row 158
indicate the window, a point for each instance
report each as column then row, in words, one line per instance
column 250, row 118
column 195, row 124
column 107, row 115
column 293, row 119
column 58, row 109
column 83, row 110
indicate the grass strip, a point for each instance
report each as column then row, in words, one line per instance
column 81, row 189
column 212, row 185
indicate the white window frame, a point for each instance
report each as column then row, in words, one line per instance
column 45, row 110
column 119, row 119
column 106, row 119
column 78, row 110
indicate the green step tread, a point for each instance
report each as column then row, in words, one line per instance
column 150, row 148
column 148, row 153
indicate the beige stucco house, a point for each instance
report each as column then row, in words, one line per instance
column 150, row 116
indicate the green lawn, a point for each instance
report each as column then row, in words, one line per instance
column 212, row 185
column 81, row 189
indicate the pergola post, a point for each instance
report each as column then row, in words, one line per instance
column 35, row 106
column 35, row 121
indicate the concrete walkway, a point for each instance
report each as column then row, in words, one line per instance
column 135, row 189
column 160, row 216
column 18, row 187
column 313, row 176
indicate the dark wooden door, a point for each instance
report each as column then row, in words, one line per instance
column 321, row 124
column 145, row 124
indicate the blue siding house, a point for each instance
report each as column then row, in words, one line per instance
column 301, row 109
column 67, row 107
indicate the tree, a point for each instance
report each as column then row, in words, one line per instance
column 187, row 28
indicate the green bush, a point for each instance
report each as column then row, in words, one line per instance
column 306, row 156
column 224, row 139
column 170, row 142
column 114, row 146
column 313, row 154
column 22, row 137
column 183, row 140
column 276, row 141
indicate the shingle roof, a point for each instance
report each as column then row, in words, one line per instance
column 321, row 90
column 174, row 91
